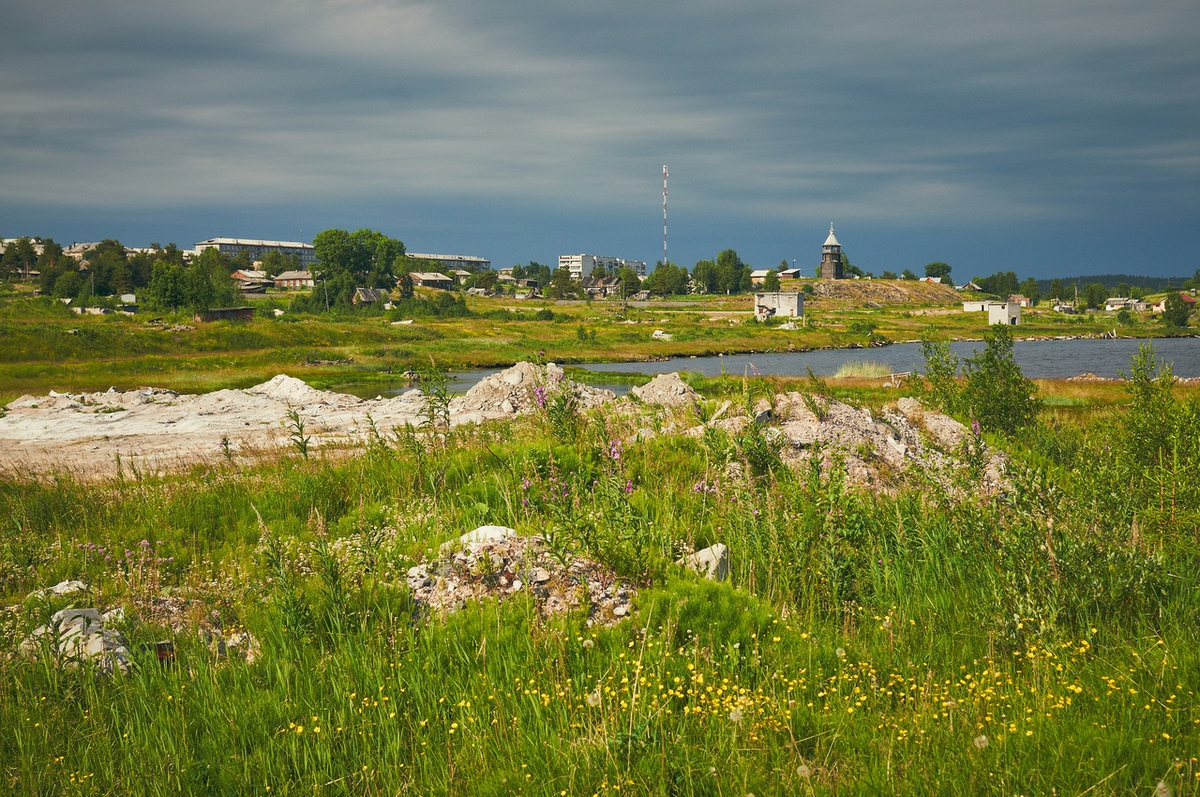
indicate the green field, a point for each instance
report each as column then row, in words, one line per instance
column 44, row 346
column 936, row 636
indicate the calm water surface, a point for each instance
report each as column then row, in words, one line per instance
column 1043, row 359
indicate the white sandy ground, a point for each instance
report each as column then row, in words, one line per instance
column 154, row 430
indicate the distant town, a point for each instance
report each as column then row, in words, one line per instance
column 218, row 276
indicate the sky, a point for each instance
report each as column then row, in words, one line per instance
column 1047, row 138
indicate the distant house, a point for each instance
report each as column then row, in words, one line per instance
column 478, row 292
column 1007, row 313
column 786, row 304
column 368, row 296
column 294, row 280
column 759, row 276
column 975, row 307
column 431, row 279
column 1019, row 300
column 1122, row 303
column 226, row 314
column 790, row 274
column 601, row 287
column 249, row 275
column 1190, row 301
column 969, row 286
column 1064, row 308
column 935, row 280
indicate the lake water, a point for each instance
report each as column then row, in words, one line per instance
column 1041, row 359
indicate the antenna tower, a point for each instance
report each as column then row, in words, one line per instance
column 664, row 215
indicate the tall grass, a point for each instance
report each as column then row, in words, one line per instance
column 863, row 369
column 904, row 642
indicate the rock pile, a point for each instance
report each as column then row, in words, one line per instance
column 76, row 636
column 667, row 390
column 873, row 447
column 516, row 390
column 496, row 562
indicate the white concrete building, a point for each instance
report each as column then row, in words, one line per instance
column 582, row 266
column 257, row 248
column 454, row 262
column 786, row 304
column 1007, row 313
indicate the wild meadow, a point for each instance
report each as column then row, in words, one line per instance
column 931, row 637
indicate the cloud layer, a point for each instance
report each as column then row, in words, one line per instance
column 544, row 125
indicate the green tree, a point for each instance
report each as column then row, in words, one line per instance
column 482, row 279
column 733, row 276
column 704, row 275
column 67, row 285
column 167, row 289
column 562, row 285
column 406, row 286
column 631, row 283
column 1175, row 310
column 937, row 269
column 366, row 256
column 908, row 274
column 888, row 275
column 771, row 283
column 666, row 280
column 1094, row 294
column 1058, row 292
column 275, row 262
column 51, row 256
column 997, row 394
column 1029, row 289
column 941, row 371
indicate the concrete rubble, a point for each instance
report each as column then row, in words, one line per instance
column 90, row 433
column 667, row 390
column 711, row 563
column 496, row 562
column 78, row 636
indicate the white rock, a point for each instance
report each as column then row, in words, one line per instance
column 479, row 537
column 712, row 562
column 61, row 588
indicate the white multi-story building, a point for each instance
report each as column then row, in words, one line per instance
column 455, row 262
column 582, row 266
column 257, row 248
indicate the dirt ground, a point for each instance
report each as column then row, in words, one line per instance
column 94, row 435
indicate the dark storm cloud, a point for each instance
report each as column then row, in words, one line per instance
column 927, row 113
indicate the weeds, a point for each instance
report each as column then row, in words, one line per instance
column 296, row 427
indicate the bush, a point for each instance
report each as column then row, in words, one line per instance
column 941, row 368
column 997, row 394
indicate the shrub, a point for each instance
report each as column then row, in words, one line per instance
column 941, row 368
column 997, row 394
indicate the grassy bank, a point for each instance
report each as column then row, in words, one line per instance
column 44, row 346
column 914, row 640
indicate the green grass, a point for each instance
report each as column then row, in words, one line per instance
column 863, row 369
column 916, row 640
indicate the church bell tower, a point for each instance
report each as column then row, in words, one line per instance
column 831, row 258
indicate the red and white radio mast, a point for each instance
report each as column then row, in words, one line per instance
column 664, row 215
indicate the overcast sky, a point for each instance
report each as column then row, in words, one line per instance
column 1049, row 138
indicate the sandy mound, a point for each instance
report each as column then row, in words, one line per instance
column 666, row 389
column 516, row 390
column 290, row 390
